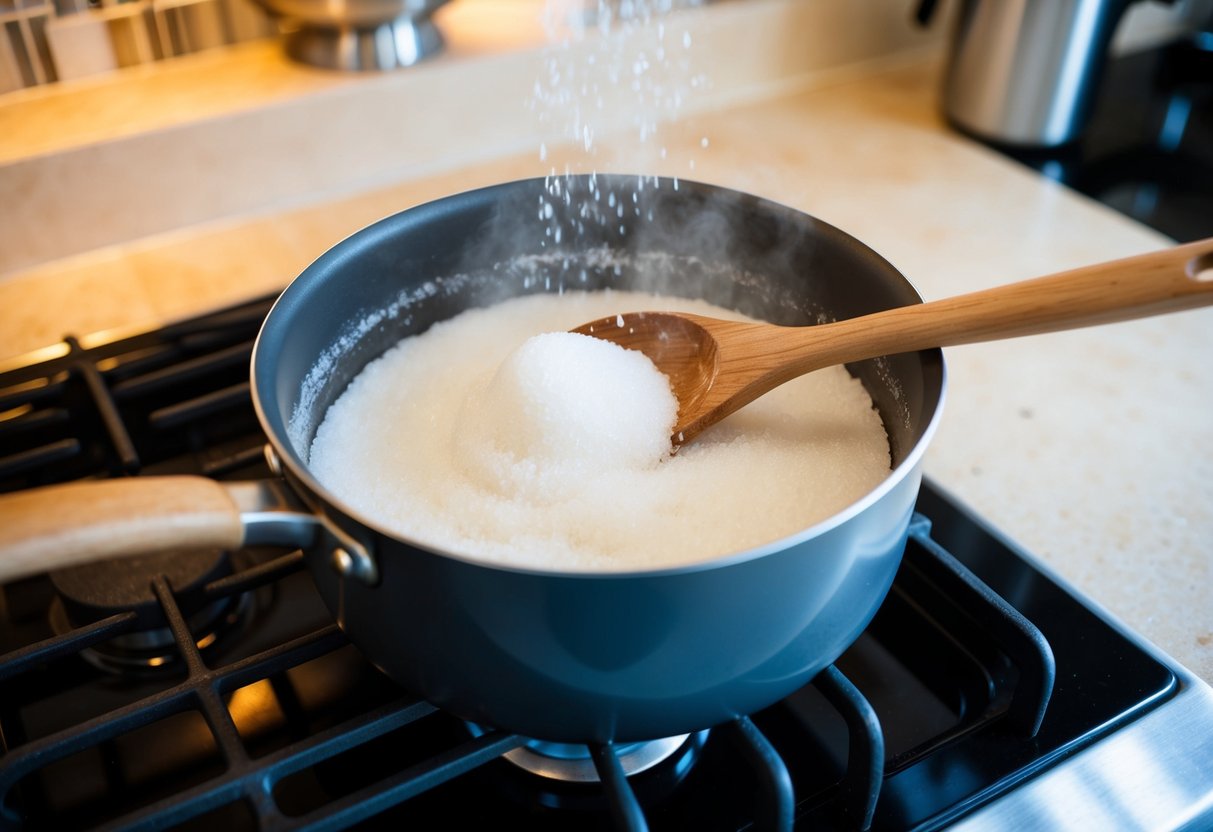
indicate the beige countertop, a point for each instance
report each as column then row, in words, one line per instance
column 1092, row 449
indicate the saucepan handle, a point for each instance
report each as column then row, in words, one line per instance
column 64, row 525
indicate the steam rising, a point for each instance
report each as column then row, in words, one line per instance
column 579, row 228
column 693, row 242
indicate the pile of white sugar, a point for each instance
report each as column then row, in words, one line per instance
column 482, row 438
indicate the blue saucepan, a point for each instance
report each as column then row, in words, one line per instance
column 559, row 656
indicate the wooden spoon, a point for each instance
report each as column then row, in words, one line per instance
column 716, row 367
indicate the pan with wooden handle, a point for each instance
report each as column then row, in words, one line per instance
column 565, row 656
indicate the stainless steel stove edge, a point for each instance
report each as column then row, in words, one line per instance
column 1154, row 774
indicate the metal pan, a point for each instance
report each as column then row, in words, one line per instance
column 566, row 657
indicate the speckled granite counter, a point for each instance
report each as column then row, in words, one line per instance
column 1092, row 449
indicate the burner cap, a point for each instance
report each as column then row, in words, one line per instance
column 95, row 590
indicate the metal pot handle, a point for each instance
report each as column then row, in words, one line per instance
column 64, row 525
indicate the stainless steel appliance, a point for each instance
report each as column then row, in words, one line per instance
column 1034, row 80
column 1147, row 150
column 214, row 691
column 358, row 34
column 1025, row 72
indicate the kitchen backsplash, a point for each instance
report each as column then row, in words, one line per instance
column 44, row 41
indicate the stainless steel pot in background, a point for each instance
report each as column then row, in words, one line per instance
column 1025, row 72
column 358, row 34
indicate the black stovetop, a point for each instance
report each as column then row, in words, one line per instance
column 1148, row 149
column 978, row 672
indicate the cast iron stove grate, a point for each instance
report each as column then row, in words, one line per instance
column 943, row 704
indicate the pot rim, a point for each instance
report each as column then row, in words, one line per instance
column 300, row 472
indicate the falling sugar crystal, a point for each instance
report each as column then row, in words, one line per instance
column 596, row 52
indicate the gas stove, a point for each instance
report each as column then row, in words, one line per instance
column 213, row 690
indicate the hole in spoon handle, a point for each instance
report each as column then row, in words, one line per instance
column 1200, row 268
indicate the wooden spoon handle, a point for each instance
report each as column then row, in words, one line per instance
column 1135, row 287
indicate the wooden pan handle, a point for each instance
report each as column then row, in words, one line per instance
column 63, row 525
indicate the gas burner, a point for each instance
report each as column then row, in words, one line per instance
column 562, row 781
column 91, row 592
column 573, row 763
